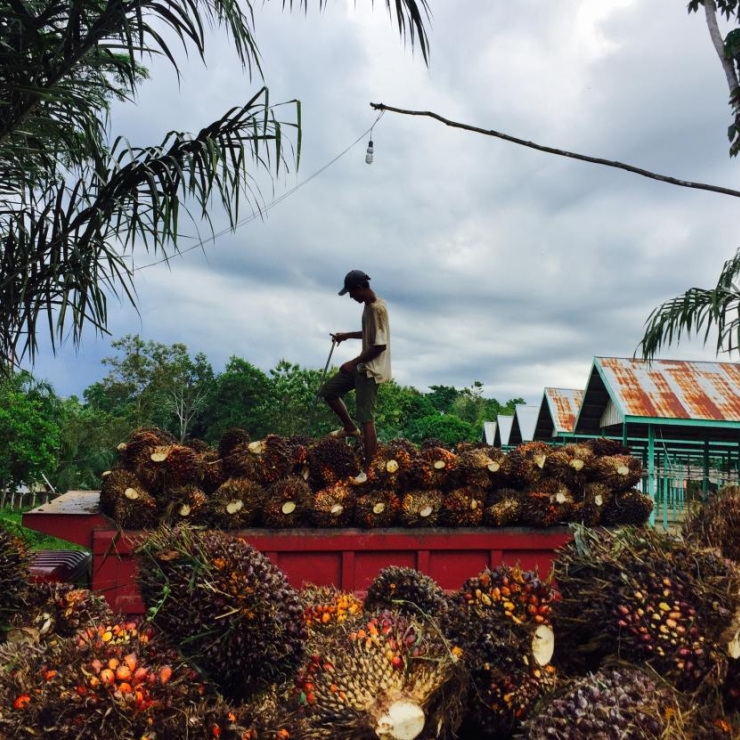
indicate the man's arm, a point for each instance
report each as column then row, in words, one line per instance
column 340, row 336
column 367, row 356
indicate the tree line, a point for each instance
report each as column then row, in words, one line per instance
column 72, row 441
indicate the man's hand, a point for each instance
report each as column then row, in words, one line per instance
column 339, row 337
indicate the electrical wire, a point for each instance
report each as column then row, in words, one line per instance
column 202, row 242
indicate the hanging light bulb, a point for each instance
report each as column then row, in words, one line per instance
column 369, row 154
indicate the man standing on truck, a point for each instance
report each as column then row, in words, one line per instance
column 366, row 371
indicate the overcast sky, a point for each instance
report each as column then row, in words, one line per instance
column 498, row 263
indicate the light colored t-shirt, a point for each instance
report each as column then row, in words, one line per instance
column 376, row 330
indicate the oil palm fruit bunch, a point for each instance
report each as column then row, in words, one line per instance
column 602, row 446
column 299, row 455
column 473, row 468
column 594, row 500
column 52, row 610
column 235, row 505
column 331, row 461
column 627, row 507
column 113, row 680
column 546, row 503
column 274, row 458
column 501, row 621
column 288, row 503
column 326, row 610
column 392, row 677
column 407, row 591
column 570, row 464
column 230, row 439
column 126, row 501
column 334, row 506
column 243, row 461
column 499, row 468
column 227, row 605
column 421, row 508
column 185, row 504
column 622, row 702
column 650, row 598
column 15, row 573
column 141, row 443
column 503, row 508
column 212, row 467
column 376, row 507
column 619, row 472
column 463, row 507
column 441, row 464
column 168, row 467
column 716, row 523
column 528, row 463
column 391, row 463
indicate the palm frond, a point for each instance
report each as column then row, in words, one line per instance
column 698, row 310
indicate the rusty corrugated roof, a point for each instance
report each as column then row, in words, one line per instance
column 673, row 389
column 564, row 404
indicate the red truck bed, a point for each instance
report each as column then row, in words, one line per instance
column 346, row 558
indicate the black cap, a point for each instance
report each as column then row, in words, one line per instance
column 353, row 279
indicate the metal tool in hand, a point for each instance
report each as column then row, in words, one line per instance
column 312, row 413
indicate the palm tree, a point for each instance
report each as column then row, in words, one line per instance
column 698, row 310
column 71, row 205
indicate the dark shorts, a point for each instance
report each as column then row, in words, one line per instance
column 366, row 392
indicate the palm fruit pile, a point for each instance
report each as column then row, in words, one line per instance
column 229, row 608
column 326, row 610
column 390, row 677
column 716, row 523
column 501, row 621
column 15, row 563
column 298, row 482
column 648, row 598
column 616, row 703
column 407, row 591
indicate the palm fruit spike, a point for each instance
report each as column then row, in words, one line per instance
column 15, row 574
column 627, row 507
column 235, row 505
column 230, row 439
column 275, row 457
column 52, row 610
column 528, row 463
column 330, row 461
column 621, row 702
column 334, row 506
column 503, row 508
column 185, row 504
column 501, row 621
column 228, row 606
column 407, row 591
column 115, row 678
column 325, row 610
column 288, row 503
column 619, row 472
column 213, row 471
column 463, row 507
column 420, row 508
column 391, row 463
column 392, row 678
column 595, row 498
column 142, row 441
column 126, row 501
column 602, row 446
column 167, row 467
column 716, row 523
column 570, row 464
column 376, row 508
column 473, row 469
column 443, row 464
column 651, row 598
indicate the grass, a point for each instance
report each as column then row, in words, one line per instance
column 11, row 519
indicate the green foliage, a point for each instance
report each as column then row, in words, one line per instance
column 398, row 407
column 698, row 310
column 12, row 521
column 449, row 428
column 29, row 430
